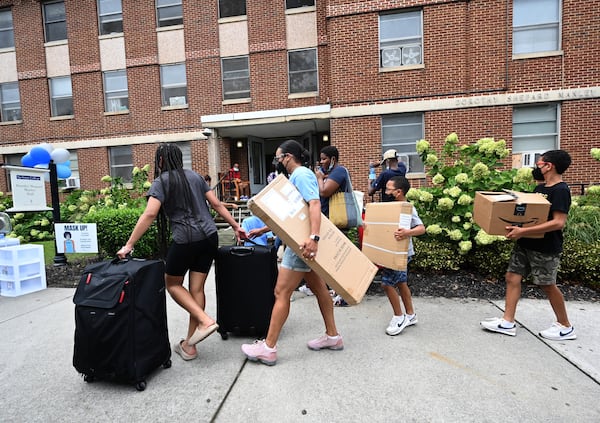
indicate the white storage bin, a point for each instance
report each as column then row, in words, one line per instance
column 22, row 270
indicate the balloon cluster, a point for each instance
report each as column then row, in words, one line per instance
column 41, row 155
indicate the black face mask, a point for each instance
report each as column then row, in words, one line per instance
column 537, row 174
column 281, row 169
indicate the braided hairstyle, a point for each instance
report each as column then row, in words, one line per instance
column 178, row 194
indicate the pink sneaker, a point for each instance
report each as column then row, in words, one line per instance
column 325, row 341
column 257, row 351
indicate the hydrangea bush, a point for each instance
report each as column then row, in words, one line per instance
column 457, row 172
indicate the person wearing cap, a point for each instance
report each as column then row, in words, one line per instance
column 393, row 168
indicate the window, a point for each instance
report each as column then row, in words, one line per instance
column 7, row 34
column 535, row 128
column 61, row 96
column 186, row 153
column 15, row 160
column 121, row 163
column 536, row 26
column 292, row 4
column 10, row 102
column 116, row 95
column 228, row 8
column 401, row 132
column 55, row 21
column 303, row 75
column 236, row 77
column 169, row 12
column 173, row 85
column 401, row 39
column 110, row 16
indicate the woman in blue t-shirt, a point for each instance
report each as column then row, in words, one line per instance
column 331, row 176
column 290, row 157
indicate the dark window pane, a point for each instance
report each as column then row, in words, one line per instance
column 292, row 4
column 229, row 8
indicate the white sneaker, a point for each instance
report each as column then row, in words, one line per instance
column 558, row 332
column 397, row 325
column 305, row 290
column 496, row 324
column 412, row 321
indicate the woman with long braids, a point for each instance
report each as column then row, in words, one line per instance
column 289, row 158
column 177, row 200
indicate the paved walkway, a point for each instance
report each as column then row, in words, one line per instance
column 444, row 369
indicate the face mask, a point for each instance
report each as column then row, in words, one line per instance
column 236, row 169
column 537, row 174
column 331, row 164
column 281, row 169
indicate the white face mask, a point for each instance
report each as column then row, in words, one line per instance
column 236, row 169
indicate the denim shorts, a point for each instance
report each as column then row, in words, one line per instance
column 293, row 262
column 543, row 267
column 391, row 277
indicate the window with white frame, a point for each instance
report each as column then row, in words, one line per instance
column 173, row 85
column 121, row 163
column 169, row 12
column 536, row 26
column 229, row 8
column 302, row 71
column 55, row 21
column 293, row 4
column 116, row 95
column 10, row 102
column 186, row 153
column 401, row 39
column 7, row 33
column 61, row 96
column 236, row 77
column 535, row 129
column 110, row 17
column 401, row 132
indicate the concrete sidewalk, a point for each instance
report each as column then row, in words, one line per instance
column 444, row 369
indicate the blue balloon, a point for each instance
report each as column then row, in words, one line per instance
column 27, row 160
column 63, row 171
column 39, row 155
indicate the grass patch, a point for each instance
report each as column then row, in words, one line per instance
column 50, row 252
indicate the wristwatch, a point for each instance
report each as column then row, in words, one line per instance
column 315, row 238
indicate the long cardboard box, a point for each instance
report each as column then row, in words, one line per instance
column 338, row 261
column 494, row 211
column 379, row 243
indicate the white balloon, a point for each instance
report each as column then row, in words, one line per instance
column 60, row 155
column 47, row 147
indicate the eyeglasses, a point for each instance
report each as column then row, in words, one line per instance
column 277, row 159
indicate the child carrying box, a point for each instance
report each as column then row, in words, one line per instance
column 397, row 187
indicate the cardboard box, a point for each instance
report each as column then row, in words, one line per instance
column 494, row 211
column 338, row 262
column 379, row 244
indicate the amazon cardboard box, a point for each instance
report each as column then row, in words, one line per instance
column 494, row 211
column 379, row 244
column 338, row 261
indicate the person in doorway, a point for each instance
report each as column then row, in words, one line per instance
column 540, row 257
column 236, row 176
column 290, row 157
column 178, row 200
column 393, row 168
column 391, row 279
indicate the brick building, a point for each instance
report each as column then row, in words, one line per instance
column 228, row 80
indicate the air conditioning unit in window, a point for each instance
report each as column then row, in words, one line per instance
column 411, row 55
column 72, row 183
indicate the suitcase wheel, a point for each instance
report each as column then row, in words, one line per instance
column 89, row 378
column 224, row 336
column 141, row 385
column 167, row 364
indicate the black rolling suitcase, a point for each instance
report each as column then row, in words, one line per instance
column 245, row 281
column 121, row 321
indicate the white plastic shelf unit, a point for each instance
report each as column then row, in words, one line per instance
column 22, row 270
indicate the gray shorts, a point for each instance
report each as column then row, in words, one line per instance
column 543, row 267
column 293, row 262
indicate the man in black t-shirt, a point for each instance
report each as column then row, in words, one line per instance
column 540, row 257
column 393, row 168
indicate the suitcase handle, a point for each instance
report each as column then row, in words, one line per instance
column 241, row 251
